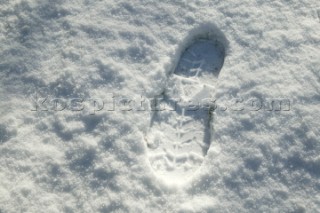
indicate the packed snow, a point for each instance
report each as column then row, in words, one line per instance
column 77, row 80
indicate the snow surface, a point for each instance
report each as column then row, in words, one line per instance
column 96, row 161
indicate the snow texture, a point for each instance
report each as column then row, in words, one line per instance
column 96, row 159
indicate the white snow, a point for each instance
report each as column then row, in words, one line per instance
column 95, row 160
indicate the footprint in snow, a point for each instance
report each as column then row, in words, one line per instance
column 180, row 130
